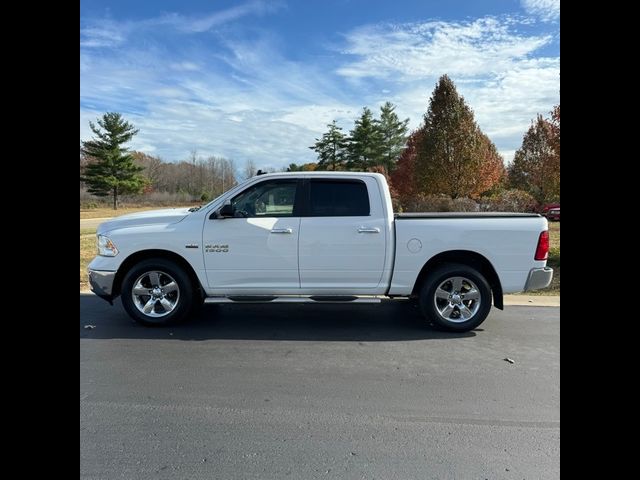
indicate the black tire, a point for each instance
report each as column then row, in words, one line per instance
column 168, row 272
column 433, row 305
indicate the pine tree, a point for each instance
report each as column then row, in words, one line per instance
column 454, row 156
column 365, row 143
column 331, row 148
column 114, row 171
column 394, row 135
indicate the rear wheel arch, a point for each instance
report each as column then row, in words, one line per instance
column 455, row 297
column 463, row 257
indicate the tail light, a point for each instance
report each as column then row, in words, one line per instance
column 542, row 250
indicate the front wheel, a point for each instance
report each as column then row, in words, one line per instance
column 157, row 292
column 455, row 297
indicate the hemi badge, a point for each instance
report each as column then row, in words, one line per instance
column 191, row 245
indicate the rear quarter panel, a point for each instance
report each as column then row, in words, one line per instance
column 509, row 244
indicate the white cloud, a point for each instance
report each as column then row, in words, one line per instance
column 413, row 51
column 546, row 10
column 186, row 66
column 495, row 66
column 505, row 106
column 507, row 155
column 270, row 109
column 245, row 100
column 108, row 33
column 197, row 25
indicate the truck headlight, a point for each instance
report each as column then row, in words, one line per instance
column 106, row 247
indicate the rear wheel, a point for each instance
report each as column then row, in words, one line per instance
column 157, row 292
column 455, row 297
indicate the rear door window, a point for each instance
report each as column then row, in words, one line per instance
column 338, row 198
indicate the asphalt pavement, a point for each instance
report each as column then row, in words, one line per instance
column 318, row 391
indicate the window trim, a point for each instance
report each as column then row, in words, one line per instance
column 306, row 205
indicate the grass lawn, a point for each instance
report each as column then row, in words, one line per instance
column 105, row 212
column 88, row 250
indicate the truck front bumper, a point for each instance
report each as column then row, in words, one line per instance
column 101, row 283
column 538, row 278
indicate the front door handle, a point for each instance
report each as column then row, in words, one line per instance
column 282, row 230
column 368, row 230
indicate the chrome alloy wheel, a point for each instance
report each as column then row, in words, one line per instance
column 457, row 299
column 155, row 294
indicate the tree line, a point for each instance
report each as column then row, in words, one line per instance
column 201, row 178
column 372, row 142
column 447, row 156
column 107, row 168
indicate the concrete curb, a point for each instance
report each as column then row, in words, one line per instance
column 533, row 300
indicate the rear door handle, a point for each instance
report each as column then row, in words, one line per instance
column 282, row 230
column 368, row 230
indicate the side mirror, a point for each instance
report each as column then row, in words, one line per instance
column 227, row 211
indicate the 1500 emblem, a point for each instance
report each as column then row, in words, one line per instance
column 216, row 248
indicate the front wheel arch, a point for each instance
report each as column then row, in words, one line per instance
column 138, row 257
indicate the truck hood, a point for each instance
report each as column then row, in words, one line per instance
column 150, row 217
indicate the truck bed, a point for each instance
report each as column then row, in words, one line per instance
column 413, row 216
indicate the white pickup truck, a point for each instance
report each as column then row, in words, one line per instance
column 317, row 237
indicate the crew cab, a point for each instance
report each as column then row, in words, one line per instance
column 317, row 237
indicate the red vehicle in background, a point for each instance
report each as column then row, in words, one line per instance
column 549, row 206
column 553, row 214
column 551, row 211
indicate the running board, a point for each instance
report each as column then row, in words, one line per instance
column 292, row 299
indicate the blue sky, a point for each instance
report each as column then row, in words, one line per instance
column 260, row 79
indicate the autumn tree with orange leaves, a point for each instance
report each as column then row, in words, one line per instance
column 536, row 164
column 491, row 169
column 403, row 177
column 452, row 155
